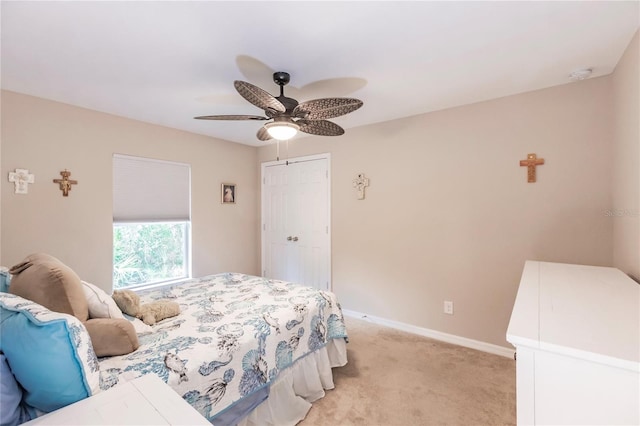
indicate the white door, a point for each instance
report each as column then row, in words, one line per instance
column 295, row 221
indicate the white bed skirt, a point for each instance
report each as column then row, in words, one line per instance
column 292, row 393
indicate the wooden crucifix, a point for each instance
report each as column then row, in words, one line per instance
column 65, row 183
column 360, row 183
column 531, row 162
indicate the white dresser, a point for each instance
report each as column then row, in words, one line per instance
column 576, row 330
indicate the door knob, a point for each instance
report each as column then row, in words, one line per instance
column 295, row 238
column 289, row 238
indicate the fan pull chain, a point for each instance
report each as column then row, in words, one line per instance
column 278, row 150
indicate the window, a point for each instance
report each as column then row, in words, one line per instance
column 147, row 253
column 151, row 221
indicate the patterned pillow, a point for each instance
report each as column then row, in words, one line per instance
column 5, row 279
column 50, row 353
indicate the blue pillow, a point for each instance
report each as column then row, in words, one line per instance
column 12, row 412
column 50, row 353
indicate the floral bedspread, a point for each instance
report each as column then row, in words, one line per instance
column 234, row 334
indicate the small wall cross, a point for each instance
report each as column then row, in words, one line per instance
column 65, row 183
column 21, row 178
column 531, row 162
column 360, row 183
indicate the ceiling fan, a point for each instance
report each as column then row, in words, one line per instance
column 287, row 115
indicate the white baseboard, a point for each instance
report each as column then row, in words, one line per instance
column 433, row 334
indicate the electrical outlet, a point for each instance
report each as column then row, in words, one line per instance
column 448, row 307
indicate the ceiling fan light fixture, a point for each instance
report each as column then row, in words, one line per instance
column 282, row 130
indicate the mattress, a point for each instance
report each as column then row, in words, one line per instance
column 234, row 337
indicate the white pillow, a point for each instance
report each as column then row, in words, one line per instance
column 138, row 325
column 101, row 305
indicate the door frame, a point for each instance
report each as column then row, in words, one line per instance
column 263, row 166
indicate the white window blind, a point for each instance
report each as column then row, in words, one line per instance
column 147, row 190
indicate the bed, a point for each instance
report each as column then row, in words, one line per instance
column 244, row 349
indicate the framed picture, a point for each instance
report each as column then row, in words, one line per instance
column 228, row 193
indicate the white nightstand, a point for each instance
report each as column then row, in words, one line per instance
column 144, row 401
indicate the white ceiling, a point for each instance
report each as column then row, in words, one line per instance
column 166, row 62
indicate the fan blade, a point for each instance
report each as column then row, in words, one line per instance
column 230, row 117
column 263, row 135
column 258, row 97
column 320, row 127
column 321, row 109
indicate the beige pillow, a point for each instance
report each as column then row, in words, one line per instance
column 111, row 336
column 101, row 305
column 29, row 260
column 47, row 281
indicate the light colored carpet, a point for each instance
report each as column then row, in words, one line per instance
column 398, row 378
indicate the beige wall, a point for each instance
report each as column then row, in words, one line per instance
column 46, row 137
column 449, row 214
column 626, row 162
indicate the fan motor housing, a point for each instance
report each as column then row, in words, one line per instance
column 281, row 78
column 289, row 103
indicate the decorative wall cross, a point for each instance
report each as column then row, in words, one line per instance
column 531, row 162
column 360, row 183
column 21, row 178
column 65, row 183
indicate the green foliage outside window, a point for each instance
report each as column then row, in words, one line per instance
column 145, row 253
